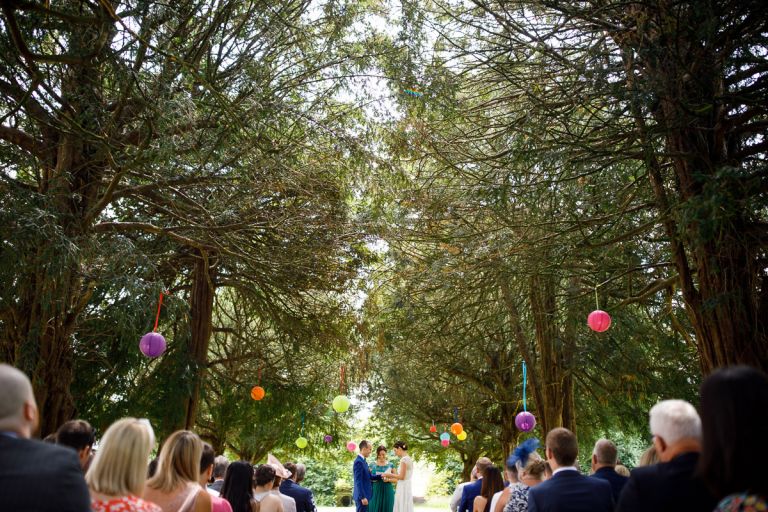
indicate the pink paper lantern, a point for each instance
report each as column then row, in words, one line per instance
column 525, row 421
column 445, row 443
column 599, row 320
column 152, row 344
column 351, row 446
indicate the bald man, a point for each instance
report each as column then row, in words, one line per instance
column 34, row 476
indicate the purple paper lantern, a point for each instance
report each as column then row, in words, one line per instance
column 152, row 344
column 525, row 421
column 328, row 438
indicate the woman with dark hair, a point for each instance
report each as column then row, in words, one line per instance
column 734, row 415
column 404, row 492
column 383, row 499
column 237, row 487
column 492, row 483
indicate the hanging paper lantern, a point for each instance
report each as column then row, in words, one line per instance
column 152, row 344
column 257, row 392
column 445, row 436
column 599, row 320
column 301, row 442
column 457, row 428
column 525, row 421
column 433, row 428
column 445, row 442
column 351, row 446
column 341, row 403
column 328, row 438
column 461, row 436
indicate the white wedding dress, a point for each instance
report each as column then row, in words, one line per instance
column 404, row 491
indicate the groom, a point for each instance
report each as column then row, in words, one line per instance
column 362, row 476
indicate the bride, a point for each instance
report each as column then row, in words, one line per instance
column 403, row 492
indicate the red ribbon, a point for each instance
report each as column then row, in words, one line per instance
column 159, row 305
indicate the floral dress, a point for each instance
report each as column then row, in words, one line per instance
column 518, row 498
column 124, row 504
column 742, row 502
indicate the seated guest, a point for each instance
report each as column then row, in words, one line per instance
column 492, row 483
column 305, row 502
column 220, row 465
column 604, row 457
column 734, row 415
column 456, row 497
column 206, row 470
column 118, row 473
column 671, row 484
column 622, row 470
column 472, row 491
column 237, row 489
column 289, row 504
column 34, row 476
column 78, row 435
column 530, row 471
column 264, row 479
column 510, row 475
column 176, row 485
column 648, row 457
column 568, row 490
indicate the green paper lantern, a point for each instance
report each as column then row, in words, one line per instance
column 341, row 403
column 302, row 442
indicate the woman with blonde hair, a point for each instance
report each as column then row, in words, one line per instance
column 117, row 475
column 175, row 486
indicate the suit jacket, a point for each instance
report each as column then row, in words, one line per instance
column 468, row 495
column 216, row 485
column 570, row 491
column 362, row 477
column 305, row 502
column 616, row 480
column 667, row 486
column 40, row 477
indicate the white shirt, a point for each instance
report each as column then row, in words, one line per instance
column 456, row 498
column 495, row 500
column 565, row 468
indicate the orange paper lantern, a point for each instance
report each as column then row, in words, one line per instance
column 457, row 428
column 257, row 392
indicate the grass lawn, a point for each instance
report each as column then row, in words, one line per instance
column 433, row 504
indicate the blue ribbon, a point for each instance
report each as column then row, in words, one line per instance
column 525, row 374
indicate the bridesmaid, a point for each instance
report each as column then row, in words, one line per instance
column 383, row 499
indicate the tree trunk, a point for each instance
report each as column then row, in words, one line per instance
column 201, row 323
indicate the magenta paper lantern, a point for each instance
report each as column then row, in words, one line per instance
column 445, row 442
column 525, row 421
column 351, row 446
column 152, row 344
column 328, row 438
column 599, row 320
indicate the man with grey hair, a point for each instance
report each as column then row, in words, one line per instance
column 305, row 501
column 672, row 484
column 604, row 457
column 34, row 476
column 220, row 465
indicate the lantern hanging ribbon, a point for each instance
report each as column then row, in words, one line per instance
column 525, row 378
column 157, row 317
column 153, row 344
column 525, row 421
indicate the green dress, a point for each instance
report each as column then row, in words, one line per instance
column 383, row 499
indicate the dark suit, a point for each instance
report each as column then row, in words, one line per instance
column 40, row 477
column 216, row 485
column 570, row 491
column 305, row 502
column 616, row 480
column 667, row 486
column 468, row 495
column 363, row 488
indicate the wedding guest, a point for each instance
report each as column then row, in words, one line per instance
column 220, row 465
column 456, row 497
column 510, row 473
column 80, row 436
column 206, row 470
column 237, row 488
column 568, row 490
column 492, row 483
column 176, row 485
column 263, row 480
column 648, row 457
column 671, row 484
column 289, row 504
column 604, row 457
column 301, row 473
column 34, row 476
column 118, row 472
column 531, row 473
column 305, row 501
column 734, row 415
column 472, row 490
column 622, row 470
